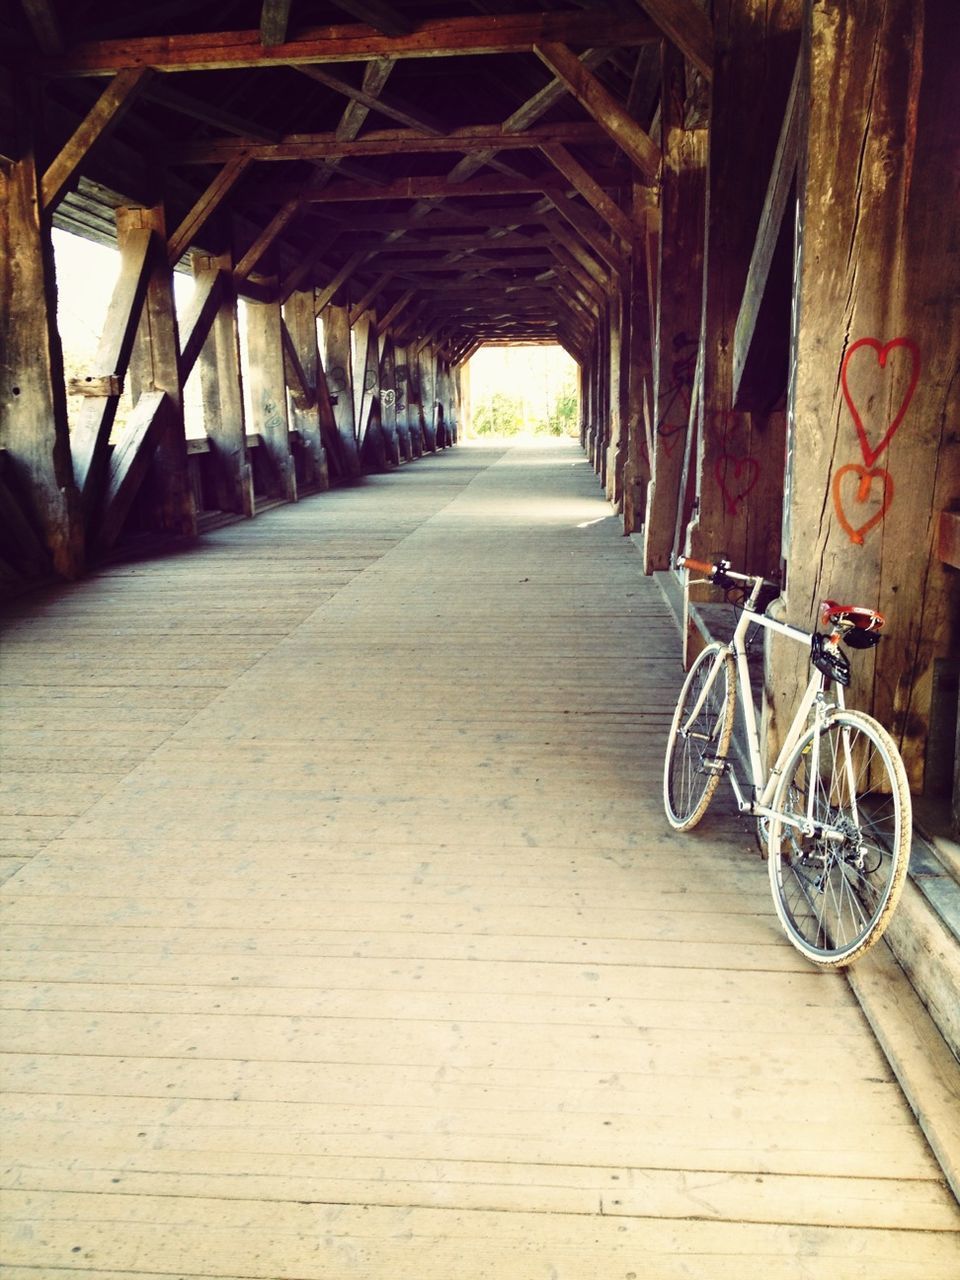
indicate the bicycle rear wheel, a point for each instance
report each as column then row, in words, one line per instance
column 697, row 748
column 835, row 889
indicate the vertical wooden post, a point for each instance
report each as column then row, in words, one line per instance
column 875, row 398
column 406, row 406
column 679, row 301
column 616, row 431
column 740, row 462
column 301, row 320
column 222, row 393
column 640, row 376
column 155, row 366
column 397, row 445
column 338, row 369
column 428, row 395
column 268, row 394
column 33, row 405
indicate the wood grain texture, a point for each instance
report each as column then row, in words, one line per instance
column 358, row 936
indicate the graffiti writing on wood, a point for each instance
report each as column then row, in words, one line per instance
column 674, row 400
column 370, row 380
column 882, row 352
column 736, row 478
column 864, row 497
column 337, row 379
column 389, row 398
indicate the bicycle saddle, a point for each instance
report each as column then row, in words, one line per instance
column 859, row 625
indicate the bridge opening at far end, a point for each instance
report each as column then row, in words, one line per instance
column 517, row 391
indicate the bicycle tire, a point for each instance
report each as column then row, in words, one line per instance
column 834, row 898
column 689, row 775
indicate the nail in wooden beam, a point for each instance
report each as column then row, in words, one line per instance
column 105, row 114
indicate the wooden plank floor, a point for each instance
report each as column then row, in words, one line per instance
column 345, row 937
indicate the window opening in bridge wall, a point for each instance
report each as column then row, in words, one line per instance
column 520, row 390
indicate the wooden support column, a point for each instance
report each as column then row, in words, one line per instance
column 268, row 395
column 33, row 405
column 407, row 416
column 300, row 316
column 678, row 302
column 398, row 442
column 740, row 454
column 618, row 367
column 638, row 425
column 222, row 393
column 337, row 366
column 155, row 366
column 875, row 398
column 426, row 365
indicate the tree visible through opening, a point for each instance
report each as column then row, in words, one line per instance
column 521, row 390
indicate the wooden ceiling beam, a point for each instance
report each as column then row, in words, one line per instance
column 394, row 311
column 686, row 26
column 45, row 25
column 204, row 206
column 104, row 116
column 340, row 278
column 385, row 104
column 164, row 95
column 591, row 190
column 357, row 310
column 605, row 109
column 434, row 38
column 274, row 17
column 437, row 187
column 471, row 140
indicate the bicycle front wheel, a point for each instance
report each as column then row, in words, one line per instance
column 699, row 737
column 840, row 838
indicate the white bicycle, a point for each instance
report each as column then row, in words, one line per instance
column 834, row 810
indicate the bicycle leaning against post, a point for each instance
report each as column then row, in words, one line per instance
column 834, row 809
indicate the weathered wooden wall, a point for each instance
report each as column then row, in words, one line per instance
column 875, row 399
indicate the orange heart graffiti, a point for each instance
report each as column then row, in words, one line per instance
column 870, row 455
column 867, row 477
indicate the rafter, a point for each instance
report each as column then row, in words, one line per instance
column 204, row 206
column 385, row 104
column 591, row 191
column 104, row 116
column 274, row 16
column 471, row 140
column 686, row 26
column 437, row 37
column 44, row 24
column 604, row 108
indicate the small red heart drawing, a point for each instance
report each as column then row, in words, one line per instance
column 671, row 436
column 856, row 535
column 870, row 455
column 748, row 468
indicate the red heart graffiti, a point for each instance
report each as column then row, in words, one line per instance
column 856, row 535
column 671, row 436
column 749, row 468
column 883, row 350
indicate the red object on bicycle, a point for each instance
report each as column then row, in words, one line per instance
column 853, row 615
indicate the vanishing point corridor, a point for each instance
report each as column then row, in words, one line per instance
column 345, row 938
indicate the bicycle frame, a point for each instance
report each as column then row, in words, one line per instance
column 814, row 699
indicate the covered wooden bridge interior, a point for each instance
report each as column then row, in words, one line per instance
column 739, row 217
